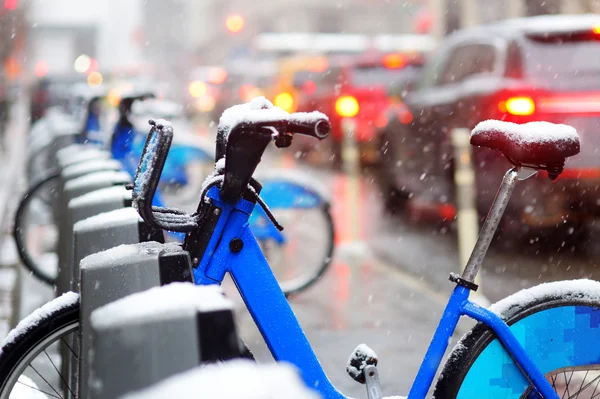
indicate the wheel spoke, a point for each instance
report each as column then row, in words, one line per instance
column 46, row 381
column 37, row 389
column 566, row 384
column 596, row 387
column 71, row 349
column 583, row 387
column 582, row 382
column 60, row 375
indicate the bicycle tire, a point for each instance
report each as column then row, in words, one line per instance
column 28, row 261
column 53, row 321
column 479, row 364
column 292, row 290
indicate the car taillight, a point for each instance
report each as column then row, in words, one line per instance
column 394, row 61
column 347, row 106
column 284, row 101
column 520, row 105
column 596, row 29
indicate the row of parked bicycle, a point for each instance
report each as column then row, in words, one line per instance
column 290, row 194
column 129, row 316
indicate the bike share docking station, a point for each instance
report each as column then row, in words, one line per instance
column 76, row 188
column 152, row 335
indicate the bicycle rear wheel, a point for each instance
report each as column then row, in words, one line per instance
column 36, row 228
column 35, row 355
column 558, row 324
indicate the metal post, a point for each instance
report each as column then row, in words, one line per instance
column 470, row 14
column 466, row 207
column 351, row 168
column 438, row 10
column 147, row 337
column 515, row 8
column 491, row 224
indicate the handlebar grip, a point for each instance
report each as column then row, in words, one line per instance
column 318, row 127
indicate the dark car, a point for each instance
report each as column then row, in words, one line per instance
column 540, row 68
column 357, row 90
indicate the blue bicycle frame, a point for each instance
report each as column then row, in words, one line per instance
column 282, row 332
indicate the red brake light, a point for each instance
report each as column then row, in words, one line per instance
column 394, row 61
column 596, row 29
column 520, row 105
column 309, row 87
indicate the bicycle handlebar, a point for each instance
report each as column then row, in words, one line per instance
column 242, row 147
column 147, row 177
column 247, row 141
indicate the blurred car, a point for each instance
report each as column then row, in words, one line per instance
column 539, row 68
column 204, row 89
column 356, row 90
column 296, row 76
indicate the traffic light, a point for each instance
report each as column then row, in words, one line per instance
column 234, row 23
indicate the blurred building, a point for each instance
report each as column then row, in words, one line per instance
column 198, row 27
column 109, row 31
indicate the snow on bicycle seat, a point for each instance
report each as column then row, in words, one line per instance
column 534, row 144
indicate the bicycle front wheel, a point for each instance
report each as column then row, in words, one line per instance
column 39, row 356
column 557, row 323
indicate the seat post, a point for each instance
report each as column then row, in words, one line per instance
column 490, row 225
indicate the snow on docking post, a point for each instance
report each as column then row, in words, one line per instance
column 235, row 379
column 147, row 337
column 105, row 231
column 120, row 271
column 73, row 189
column 76, row 153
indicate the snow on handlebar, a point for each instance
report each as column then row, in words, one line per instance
column 261, row 112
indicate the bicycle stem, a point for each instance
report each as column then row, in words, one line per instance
column 490, row 225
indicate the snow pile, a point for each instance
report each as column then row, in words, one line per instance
column 258, row 110
column 26, row 388
column 170, row 301
column 106, row 177
column 113, row 194
column 122, row 253
column 236, row 379
column 527, row 133
column 116, row 218
column 360, row 358
column 31, row 321
column 583, row 288
column 262, row 110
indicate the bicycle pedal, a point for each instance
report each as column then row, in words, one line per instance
column 360, row 358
